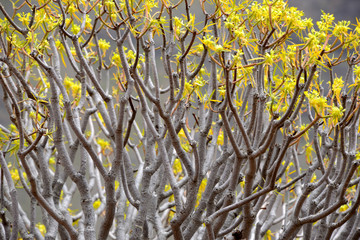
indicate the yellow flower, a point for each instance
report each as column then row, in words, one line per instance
column 24, row 18
column 337, row 87
column 41, row 228
column 201, row 190
column 72, row 9
column 343, row 208
column 270, row 57
column 313, row 178
column 13, row 128
column 222, row 91
column 336, row 113
column 103, row 143
column 199, row 83
column 130, row 55
column 357, row 71
column 268, row 235
column 288, row 86
column 316, row 101
column 15, row 175
column 208, row 41
column 116, row 59
column 188, row 87
column 219, row 48
column 75, row 29
column 103, row 44
column 177, row 169
column 88, row 24
column 220, row 140
column 52, row 161
column 97, row 204
column 67, row 22
column 70, row 85
column 341, row 28
column 110, row 5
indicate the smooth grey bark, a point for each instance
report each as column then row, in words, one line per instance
column 170, row 137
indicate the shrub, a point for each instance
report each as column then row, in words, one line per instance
column 149, row 119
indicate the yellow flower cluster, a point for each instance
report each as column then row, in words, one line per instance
column 75, row 87
column 316, row 101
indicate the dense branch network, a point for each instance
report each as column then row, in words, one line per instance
column 157, row 119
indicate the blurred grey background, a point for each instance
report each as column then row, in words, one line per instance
column 342, row 10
